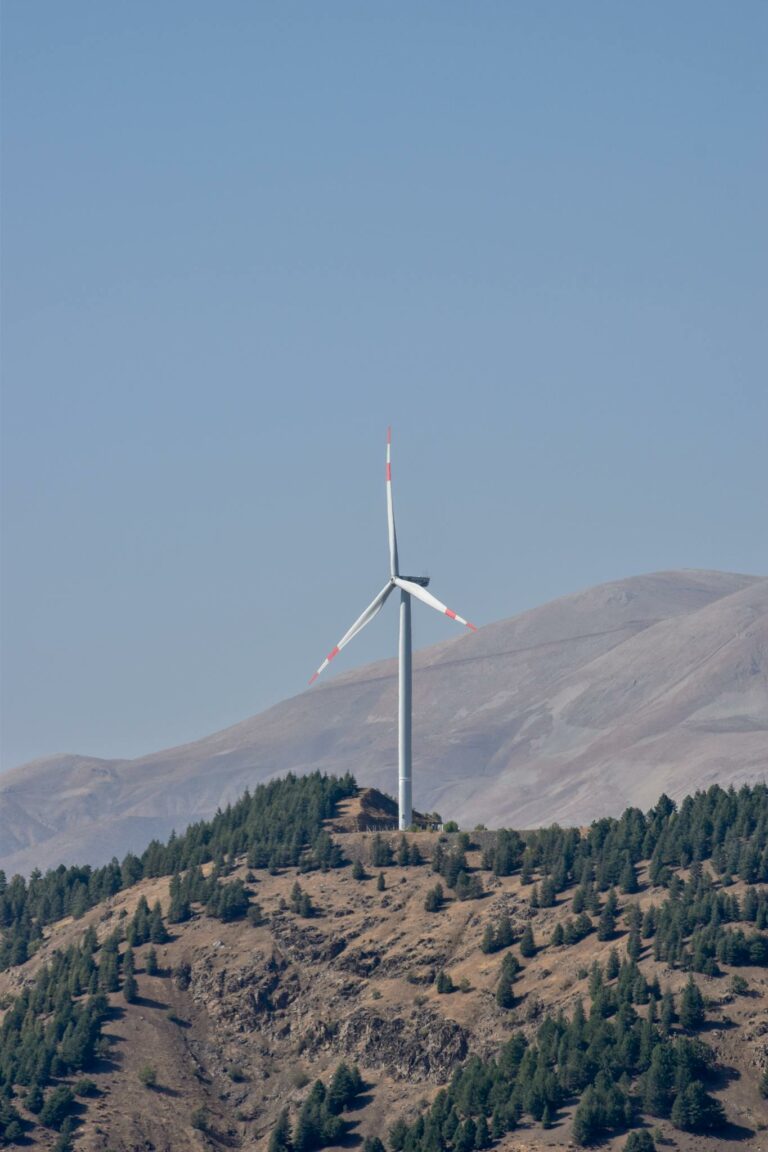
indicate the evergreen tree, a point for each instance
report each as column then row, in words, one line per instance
column 482, row 1135
column 628, row 882
column 433, row 901
column 606, row 927
column 612, row 967
column 692, row 1010
column 130, row 989
column 509, row 968
column 527, row 942
column 158, row 933
column 280, row 1139
column 444, row 983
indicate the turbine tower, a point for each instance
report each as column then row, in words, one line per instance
column 409, row 586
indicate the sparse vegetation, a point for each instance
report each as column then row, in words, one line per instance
column 148, row 1075
column 319, row 1122
column 434, row 899
column 279, row 825
column 636, row 1053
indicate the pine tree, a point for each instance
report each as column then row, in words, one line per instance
column 509, row 968
column 658, row 1081
column 280, row 1140
column 433, row 901
column 179, row 909
column 444, row 983
column 606, row 927
column 613, row 965
column 527, row 942
column 130, row 988
column 157, row 931
column 692, row 1010
column 628, row 882
column 667, row 1016
column 634, row 947
column 482, row 1135
column 33, row 1101
column 488, row 942
column 344, row 1086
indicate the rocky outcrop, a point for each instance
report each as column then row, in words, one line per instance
column 425, row 1046
column 245, row 997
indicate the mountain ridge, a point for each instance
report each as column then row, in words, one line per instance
column 566, row 711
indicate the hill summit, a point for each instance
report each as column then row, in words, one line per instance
column 567, row 712
column 265, row 982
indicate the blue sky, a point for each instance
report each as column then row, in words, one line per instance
column 240, row 239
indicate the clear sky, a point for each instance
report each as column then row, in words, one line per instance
column 239, row 239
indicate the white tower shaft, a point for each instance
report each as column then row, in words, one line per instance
column 405, row 679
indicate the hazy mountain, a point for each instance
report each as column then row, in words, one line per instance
column 572, row 710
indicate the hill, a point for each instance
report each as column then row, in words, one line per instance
column 568, row 987
column 566, row 712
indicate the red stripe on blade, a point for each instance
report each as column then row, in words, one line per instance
column 314, row 677
column 451, row 614
column 334, row 653
column 472, row 626
column 389, row 471
column 389, row 435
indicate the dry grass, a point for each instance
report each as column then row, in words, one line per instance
column 367, row 955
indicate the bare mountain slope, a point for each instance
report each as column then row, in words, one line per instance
column 566, row 712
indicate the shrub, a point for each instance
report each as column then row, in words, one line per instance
column 148, row 1076
column 640, row 1142
column 434, row 899
column 182, row 975
column 199, row 1119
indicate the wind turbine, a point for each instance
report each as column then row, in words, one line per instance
column 409, row 586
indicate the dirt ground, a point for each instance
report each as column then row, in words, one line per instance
column 271, row 1008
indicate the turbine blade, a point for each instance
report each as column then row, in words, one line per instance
column 433, row 602
column 390, row 510
column 365, row 618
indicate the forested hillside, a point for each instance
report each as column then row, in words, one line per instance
column 262, row 982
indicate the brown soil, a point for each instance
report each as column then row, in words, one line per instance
column 272, row 1008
